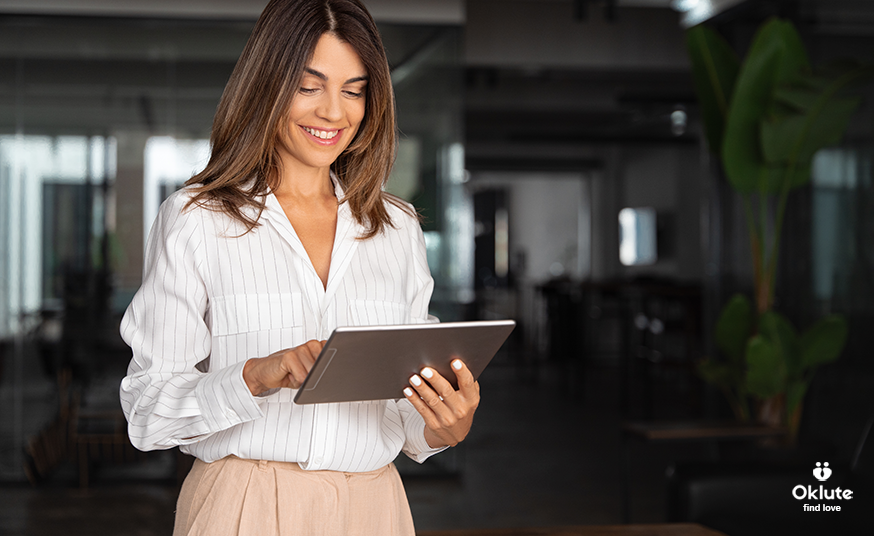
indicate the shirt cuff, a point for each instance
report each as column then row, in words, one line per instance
column 225, row 400
column 418, row 449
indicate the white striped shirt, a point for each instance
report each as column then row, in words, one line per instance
column 211, row 299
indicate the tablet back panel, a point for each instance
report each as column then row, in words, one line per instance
column 376, row 362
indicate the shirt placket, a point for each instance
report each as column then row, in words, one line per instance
column 321, row 304
column 322, row 448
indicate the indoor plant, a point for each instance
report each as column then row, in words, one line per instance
column 764, row 118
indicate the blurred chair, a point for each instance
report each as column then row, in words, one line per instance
column 85, row 435
column 566, row 336
column 662, row 347
column 50, row 447
column 99, row 435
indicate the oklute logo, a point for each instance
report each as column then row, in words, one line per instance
column 821, row 472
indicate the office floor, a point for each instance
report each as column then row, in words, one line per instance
column 544, row 451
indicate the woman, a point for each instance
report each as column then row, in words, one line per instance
column 284, row 236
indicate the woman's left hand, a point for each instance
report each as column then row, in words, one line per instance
column 448, row 413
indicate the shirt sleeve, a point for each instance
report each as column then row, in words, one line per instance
column 415, row 445
column 422, row 280
column 166, row 399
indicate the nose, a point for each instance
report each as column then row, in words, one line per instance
column 330, row 107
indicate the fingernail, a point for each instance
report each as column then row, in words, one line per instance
column 408, row 391
column 426, row 372
column 456, row 364
column 415, row 380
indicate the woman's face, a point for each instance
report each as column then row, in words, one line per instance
column 328, row 108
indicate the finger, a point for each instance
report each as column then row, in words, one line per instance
column 438, row 383
column 295, row 362
column 296, row 376
column 466, row 382
column 308, row 359
column 314, row 347
column 424, row 410
column 459, row 403
column 309, row 352
column 432, row 399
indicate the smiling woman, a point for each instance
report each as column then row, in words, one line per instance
column 286, row 235
column 258, row 106
column 322, row 121
column 325, row 116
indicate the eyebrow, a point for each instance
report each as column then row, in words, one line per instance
column 324, row 77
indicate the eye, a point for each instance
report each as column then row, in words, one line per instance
column 308, row 90
column 354, row 94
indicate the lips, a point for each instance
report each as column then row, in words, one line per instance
column 323, row 137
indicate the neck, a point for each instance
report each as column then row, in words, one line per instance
column 305, row 183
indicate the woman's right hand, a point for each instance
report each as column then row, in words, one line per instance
column 285, row 368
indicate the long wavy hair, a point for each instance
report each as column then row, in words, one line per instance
column 244, row 163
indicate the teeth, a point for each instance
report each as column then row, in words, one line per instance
column 323, row 134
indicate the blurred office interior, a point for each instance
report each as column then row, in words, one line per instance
column 556, row 151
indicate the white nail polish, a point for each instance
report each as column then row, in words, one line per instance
column 415, row 380
column 408, row 391
column 456, row 364
column 426, row 372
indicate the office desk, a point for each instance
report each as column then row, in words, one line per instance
column 700, row 431
column 711, row 431
column 672, row 529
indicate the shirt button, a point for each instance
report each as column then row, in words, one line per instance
column 231, row 415
column 318, row 460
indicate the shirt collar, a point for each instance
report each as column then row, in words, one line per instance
column 338, row 188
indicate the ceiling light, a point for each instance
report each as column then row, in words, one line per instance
column 697, row 11
column 684, row 5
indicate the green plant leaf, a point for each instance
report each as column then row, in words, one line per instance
column 714, row 71
column 775, row 57
column 778, row 137
column 824, row 126
column 796, row 96
column 777, row 174
column 734, row 328
column 717, row 373
column 808, row 112
column 823, row 342
column 740, row 152
column 778, row 331
column 795, row 392
column 794, row 60
column 797, row 136
column 766, row 371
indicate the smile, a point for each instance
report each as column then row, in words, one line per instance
column 323, row 134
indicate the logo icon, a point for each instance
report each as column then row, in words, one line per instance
column 822, row 471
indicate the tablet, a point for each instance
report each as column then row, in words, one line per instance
column 376, row 362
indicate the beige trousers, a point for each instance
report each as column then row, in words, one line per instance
column 232, row 497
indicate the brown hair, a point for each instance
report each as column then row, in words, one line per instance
column 252, row 111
